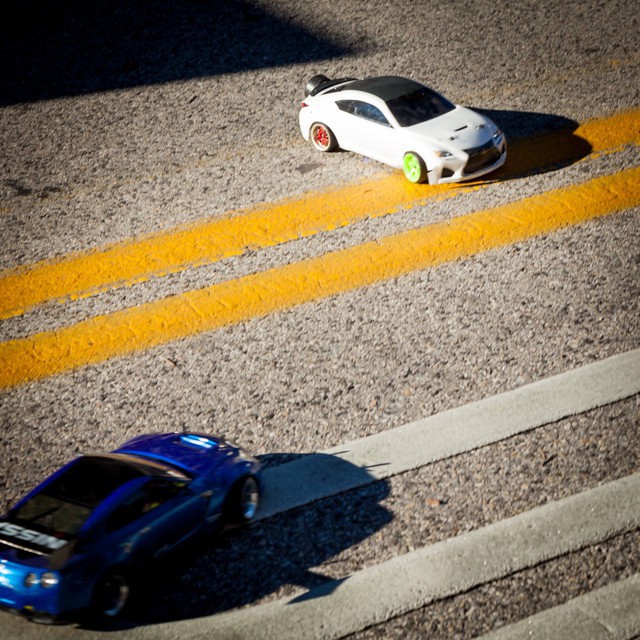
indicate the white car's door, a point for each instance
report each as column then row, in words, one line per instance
column 362, row 127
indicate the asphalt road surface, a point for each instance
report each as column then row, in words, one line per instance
column 313, row 322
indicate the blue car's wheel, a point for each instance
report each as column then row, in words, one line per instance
column 110, row 595
column 242, row 501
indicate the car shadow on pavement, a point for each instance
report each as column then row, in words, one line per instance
column 55, row 48
column 538, row 143
column 278, row 555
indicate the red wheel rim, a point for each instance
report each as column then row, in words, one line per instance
column 321, row 136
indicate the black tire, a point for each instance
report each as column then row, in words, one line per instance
column 322, row 137
column 313, row 83
column 242, row 501
column 111, row 595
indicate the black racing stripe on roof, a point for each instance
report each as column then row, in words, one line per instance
column 386, row 87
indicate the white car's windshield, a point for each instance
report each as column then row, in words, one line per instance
column 418, row 106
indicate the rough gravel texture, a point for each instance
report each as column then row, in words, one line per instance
column 346, row 533
column 517, row 597
column 168, row 119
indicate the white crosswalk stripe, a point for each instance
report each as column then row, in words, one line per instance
column 609, row 613
column 450, row 433
column 408, row 582
column 413, row 580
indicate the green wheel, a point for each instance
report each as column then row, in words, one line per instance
column 414, row 167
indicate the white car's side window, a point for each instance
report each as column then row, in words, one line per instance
column 363, row 110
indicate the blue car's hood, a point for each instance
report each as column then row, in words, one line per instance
column 23, row 545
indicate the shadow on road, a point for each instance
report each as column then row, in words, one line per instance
column 54, row 48
column 538, row 143
column 243, row 565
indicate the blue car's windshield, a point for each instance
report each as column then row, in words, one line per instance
column 52, row 515
column 63, row 506
column 418, row 106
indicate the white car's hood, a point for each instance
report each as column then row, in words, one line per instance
column 461, row 128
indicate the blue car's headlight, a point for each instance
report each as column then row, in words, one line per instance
column 30, row 580
column 46, row 580
column 49, row 579
column 497, row 136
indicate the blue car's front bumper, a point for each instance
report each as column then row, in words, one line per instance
column 24, row 591
column 35, row 601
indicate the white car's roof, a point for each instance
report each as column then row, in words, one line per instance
column 404, row 102
column 384, row 87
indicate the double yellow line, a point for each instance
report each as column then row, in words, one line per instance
column 155, row 323
column 85, row 274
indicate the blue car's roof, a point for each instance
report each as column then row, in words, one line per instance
column 56, row 511
column 90, row 479
column 65, row 504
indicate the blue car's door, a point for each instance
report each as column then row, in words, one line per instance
column 156, row 518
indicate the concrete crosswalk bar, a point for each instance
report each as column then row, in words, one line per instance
column 610, row 613
column 450, row 433
column 411, row 581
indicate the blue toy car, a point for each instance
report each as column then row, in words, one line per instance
column 74, row 543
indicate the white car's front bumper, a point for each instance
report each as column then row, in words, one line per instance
column 479, row 162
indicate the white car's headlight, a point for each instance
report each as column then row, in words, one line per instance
column 443, row 154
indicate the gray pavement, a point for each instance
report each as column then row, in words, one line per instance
column 411, row 581
column 357, row 463
column 83, row 167
column 610, row 613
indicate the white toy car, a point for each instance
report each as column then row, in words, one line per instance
column 403, row 124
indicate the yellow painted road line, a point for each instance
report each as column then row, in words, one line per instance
column 202, row 243
column 88, row 273
column 148, row 325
